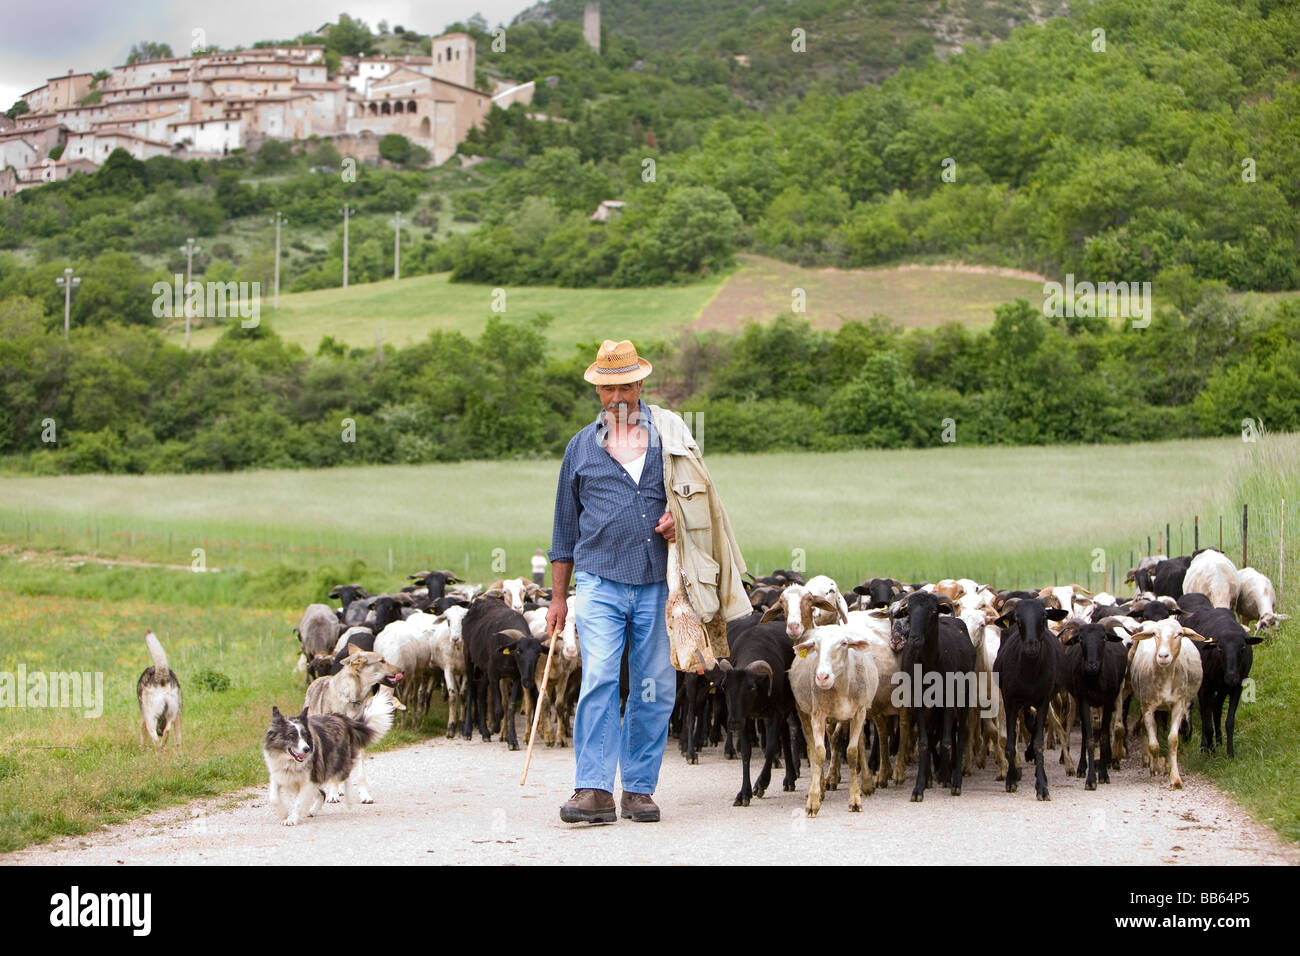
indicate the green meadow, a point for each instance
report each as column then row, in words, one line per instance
column 1000, row 514
column 404, row 312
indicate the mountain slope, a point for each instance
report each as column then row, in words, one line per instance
column 846, row 43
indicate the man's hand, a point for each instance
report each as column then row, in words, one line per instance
column 666, row 527
column 557, row 614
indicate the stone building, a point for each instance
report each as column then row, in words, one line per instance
column 215, row 103
column 591, row 25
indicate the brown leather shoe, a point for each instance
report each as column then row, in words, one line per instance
column 639, row 808
column 589, row 806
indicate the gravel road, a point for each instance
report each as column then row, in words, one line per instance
column 454, row 802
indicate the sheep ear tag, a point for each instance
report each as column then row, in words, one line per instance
column 803, row 652
column 505, row 650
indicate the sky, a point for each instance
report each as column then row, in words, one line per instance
column 46, row 38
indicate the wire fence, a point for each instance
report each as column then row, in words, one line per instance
column 1259, row 536
column 1256, row 537
column 132, row 541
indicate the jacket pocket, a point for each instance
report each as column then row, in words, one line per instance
column 693, row 499
column 702, row 573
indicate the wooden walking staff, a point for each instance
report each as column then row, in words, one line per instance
column 537, row 711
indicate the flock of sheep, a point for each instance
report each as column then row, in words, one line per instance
column 938, row 674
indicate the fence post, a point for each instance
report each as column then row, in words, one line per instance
column 1169, row 541
column 1281, row 549
column 1220, row 532
column 1196, row 532
column 1149, row 551
column 1244, row 508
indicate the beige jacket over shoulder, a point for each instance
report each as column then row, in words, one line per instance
column 706, row 548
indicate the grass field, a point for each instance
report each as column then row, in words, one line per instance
column 915, row 296
column 1010, row 516
column 63, row 772
column 400, row 313
column 406, row 311
column 997, row 514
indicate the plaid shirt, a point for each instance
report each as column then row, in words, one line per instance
column 604, row 521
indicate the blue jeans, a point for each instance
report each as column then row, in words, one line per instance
column 610, row 614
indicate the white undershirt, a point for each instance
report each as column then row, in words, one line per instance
column 634, row 467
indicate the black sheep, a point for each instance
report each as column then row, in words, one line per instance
column 1226, row 658
column 1027, row 670
column 755, row 685
column 942, row 646
column 498, row 647
column 1092, row 670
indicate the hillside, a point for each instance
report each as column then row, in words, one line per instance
column 849, row 43
column 405, row 312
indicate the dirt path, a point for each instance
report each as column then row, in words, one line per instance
column 452, row 802
column 68, row 561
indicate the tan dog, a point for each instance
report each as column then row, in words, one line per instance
column 346, row 693
column 159, row 694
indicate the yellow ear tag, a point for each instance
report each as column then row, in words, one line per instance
column 803, row 652
column 505, row 650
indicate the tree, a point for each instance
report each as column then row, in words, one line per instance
column 18, row 109
column 325, row 155
column 121, row 174
column 395, row 148
column 878, row 405
column 350, row 37
column 145, row 51
column 274, row 153
column 696, row 229
column 419, row 156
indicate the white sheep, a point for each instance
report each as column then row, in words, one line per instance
column 803, row 610
column 566, row 669
column 515, row 591
column 1256, row 600
column 1213, row 574
column 825, row 587
column 408, row 645
column 834, row 678
column 448, row 658
column 1165, row 672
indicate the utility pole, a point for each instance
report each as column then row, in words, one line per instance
column 397, row 246
column 189, row 249
column 279, row 220
column 347, row 214
column 67, row 282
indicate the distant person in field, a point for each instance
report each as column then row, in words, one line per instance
column 539, row 568
column 613, row 526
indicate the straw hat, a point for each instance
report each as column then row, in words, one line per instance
column 616, row 364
